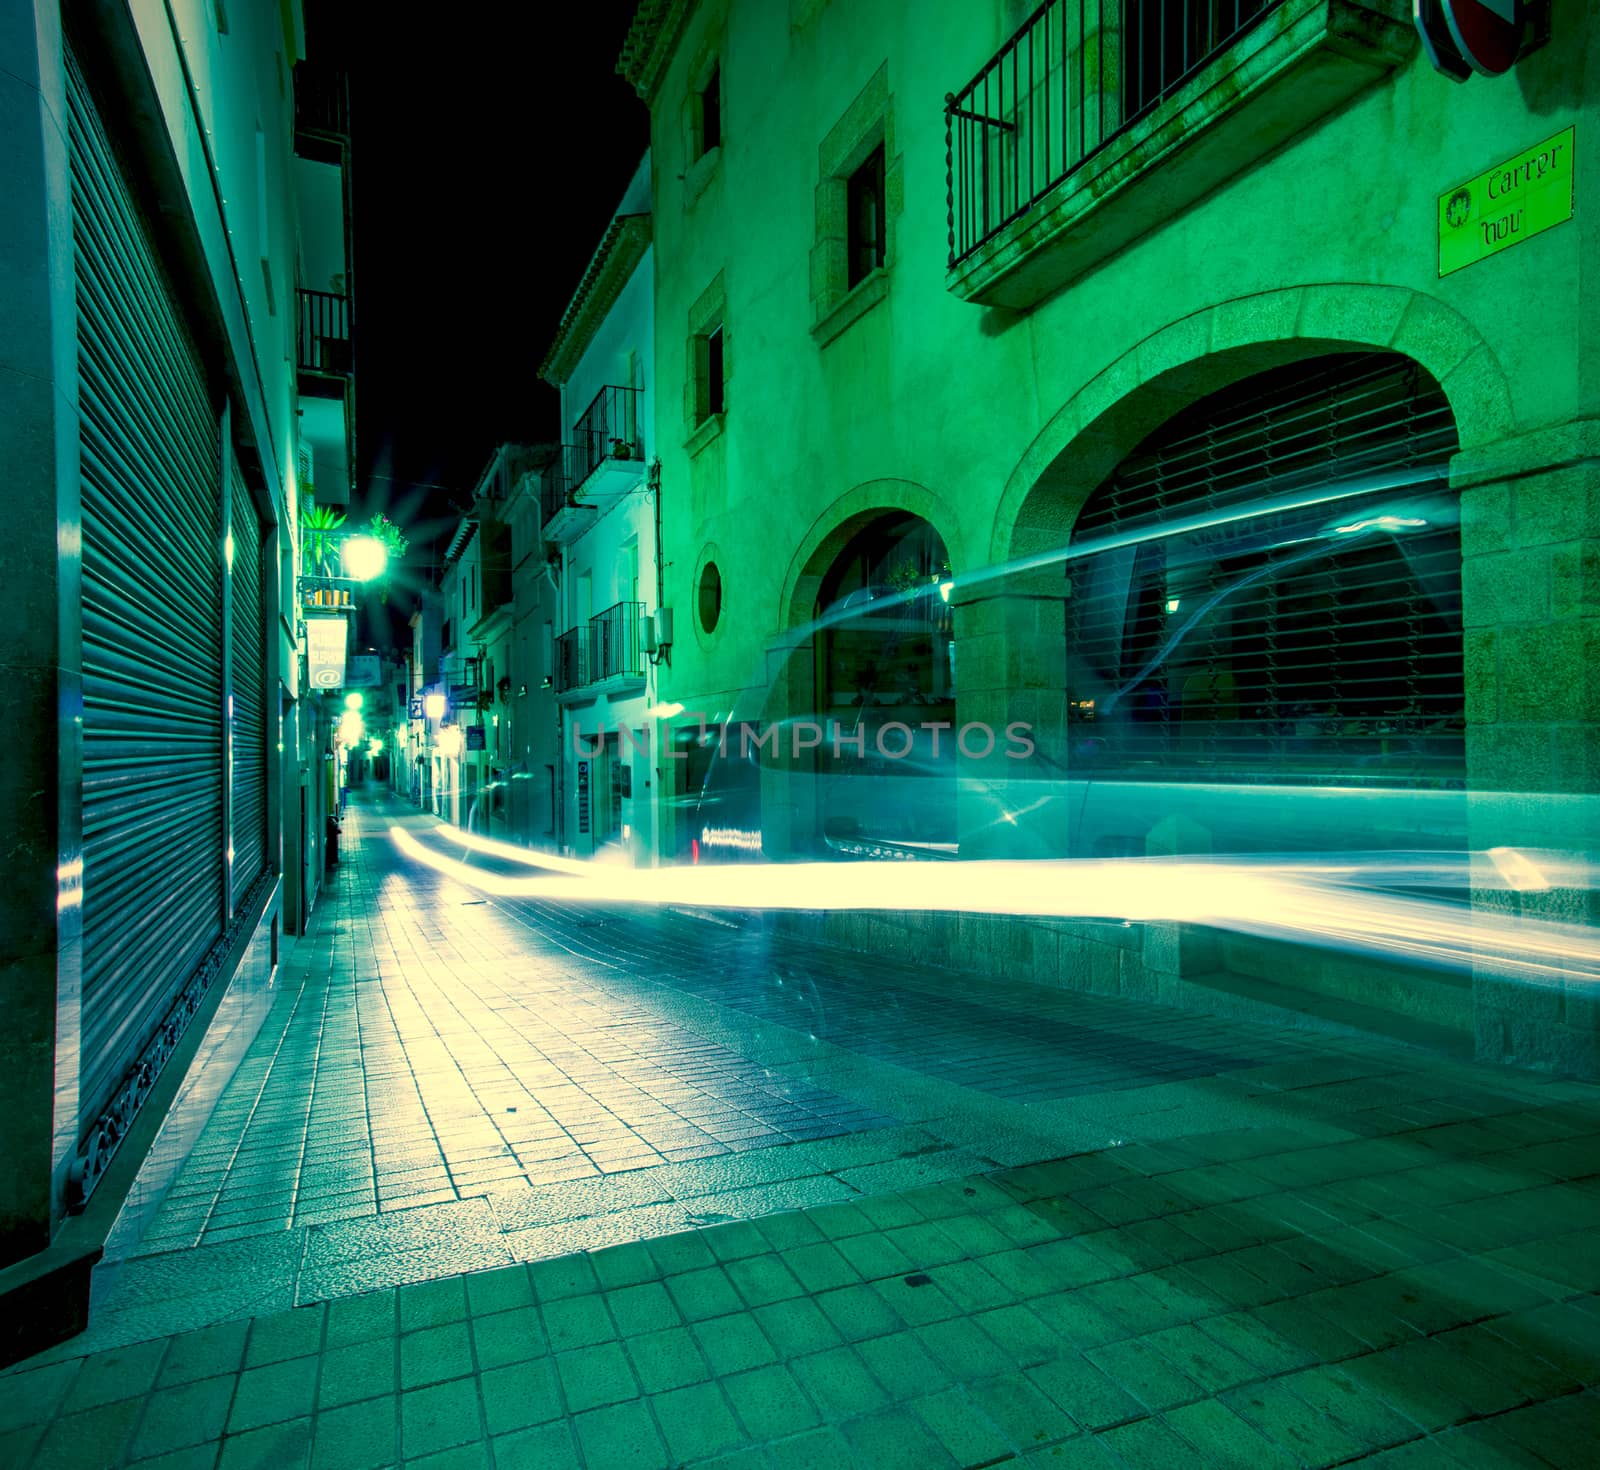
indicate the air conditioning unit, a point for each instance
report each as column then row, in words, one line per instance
column 655, row 630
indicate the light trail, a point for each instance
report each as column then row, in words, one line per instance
column 1302, row 900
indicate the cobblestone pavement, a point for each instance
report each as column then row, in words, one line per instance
column 522, row 1184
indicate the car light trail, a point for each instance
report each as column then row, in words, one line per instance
column 1300, row 900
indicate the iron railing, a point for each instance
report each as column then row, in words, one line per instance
column 572, row 660
column 614, row 640
column 607, row 429
column 323, row 335
column 555, row 483
column 1077, row 75
column 321, row 101
column 606, row 647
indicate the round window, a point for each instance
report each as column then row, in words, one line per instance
column 710, row 596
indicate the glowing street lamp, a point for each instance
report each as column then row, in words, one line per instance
column 434, row 706
column 365, row 557
column 354, row 700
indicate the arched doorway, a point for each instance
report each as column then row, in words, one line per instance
column 883, row 772
column 1267, row 590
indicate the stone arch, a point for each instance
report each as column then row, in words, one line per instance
column 788, row 781
column 1210, row 349
column 834, row 527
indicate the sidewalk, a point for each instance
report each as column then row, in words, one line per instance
column 523, row 1184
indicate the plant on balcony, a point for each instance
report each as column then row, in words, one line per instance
column 319, row 526
column 381, row 528
column 621, row 449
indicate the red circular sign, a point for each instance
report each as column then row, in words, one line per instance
column 1487, row 33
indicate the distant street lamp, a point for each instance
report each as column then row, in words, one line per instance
column 354, row 700
column 365, row 557
column 434, row 706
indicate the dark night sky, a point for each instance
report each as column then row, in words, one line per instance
column 486, row 161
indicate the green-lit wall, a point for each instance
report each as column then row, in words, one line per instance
column 956, row 411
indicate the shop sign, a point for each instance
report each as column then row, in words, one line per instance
column 1507, row 204
column 325, row 650
column 365, row 671
column 475, row 738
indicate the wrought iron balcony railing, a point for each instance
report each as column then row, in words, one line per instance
column 321, row 101
column 606, row 647
column 607, row 429
column 323, row 336
column 1076, row 76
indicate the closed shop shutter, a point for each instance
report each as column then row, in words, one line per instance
column 152, row 640
column 1269, row 588
column 249, row 650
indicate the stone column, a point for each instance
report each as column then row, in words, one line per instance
column 1530, row 542
column 41, row 1296
column 1011, row 668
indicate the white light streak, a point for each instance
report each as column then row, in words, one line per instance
column 1306, row 900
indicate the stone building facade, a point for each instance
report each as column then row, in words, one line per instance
column 944, row 288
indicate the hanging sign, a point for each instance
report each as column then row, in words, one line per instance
column 1507, row 204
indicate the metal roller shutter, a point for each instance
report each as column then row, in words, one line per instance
column 152, row 641
column 1273, row 641
column 249, row 650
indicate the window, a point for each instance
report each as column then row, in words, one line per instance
column 864, row 205
column 714, row 372
column 859, row 199
column 709, row 365
column 709, row 133
column 710, row 598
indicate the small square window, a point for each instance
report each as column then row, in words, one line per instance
column 864, row 191
column 710, row 131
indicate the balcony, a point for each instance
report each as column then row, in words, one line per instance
column 322, row 338
column 329, row 594
column 603, row 651
column 564, row 517
column 1101, row 119
column 607, row 454
column 321, row 111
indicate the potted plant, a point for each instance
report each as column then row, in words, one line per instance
column 621, row 449
column 319, row 526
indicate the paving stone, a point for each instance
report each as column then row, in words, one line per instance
column 623, row 1435
column 696, row 1421
column 666, row 1360
column 435, row 1354
column 191, row 1414
column 592, row 1376
column 287, row 1444
column 520, row 1396
column 438, row 1417
column 357, row 1436
column 272, row 1393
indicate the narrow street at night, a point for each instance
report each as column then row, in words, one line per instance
column 607, row 1187
column 800, row 735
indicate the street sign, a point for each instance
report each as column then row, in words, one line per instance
column 1461, row 37
column 414, row 710
column 1506, row 204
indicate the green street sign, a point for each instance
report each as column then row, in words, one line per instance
column 1504, row 206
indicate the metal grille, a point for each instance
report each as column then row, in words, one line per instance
column 1075, row 76
column 1305, row 623
column 152, row 637
column 249, row 693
